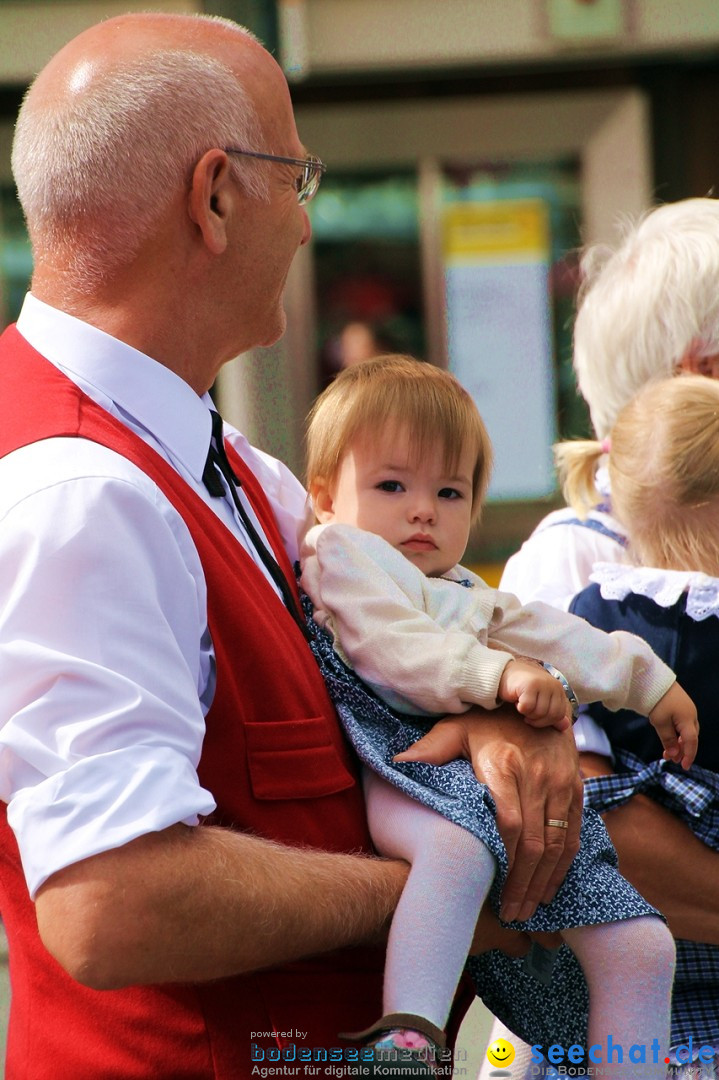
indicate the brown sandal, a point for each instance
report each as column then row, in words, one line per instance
column 399, row 1020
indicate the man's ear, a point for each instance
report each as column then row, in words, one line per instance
column 209, row 201
column 693, row 363
column 322, row 501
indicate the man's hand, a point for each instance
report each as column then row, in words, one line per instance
column 537, row 695
column 534, row 778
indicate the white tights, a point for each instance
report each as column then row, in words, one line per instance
column 433, row 925
column 628, row 965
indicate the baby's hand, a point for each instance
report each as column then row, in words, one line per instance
column 675, row 719
column 537, row 695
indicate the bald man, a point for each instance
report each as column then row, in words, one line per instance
column 186, row 869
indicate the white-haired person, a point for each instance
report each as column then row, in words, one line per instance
column 179, row 792
column 647, row 309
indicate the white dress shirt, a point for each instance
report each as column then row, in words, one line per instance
column 106, row 662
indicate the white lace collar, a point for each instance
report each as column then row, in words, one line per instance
column 664, row 587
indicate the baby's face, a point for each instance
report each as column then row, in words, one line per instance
column 416, row 506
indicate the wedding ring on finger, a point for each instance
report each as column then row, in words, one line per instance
column 556, row 823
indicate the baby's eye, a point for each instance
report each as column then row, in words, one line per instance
column 390, row 485
column 449, row 493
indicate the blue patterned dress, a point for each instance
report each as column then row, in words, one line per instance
column 540, row 1012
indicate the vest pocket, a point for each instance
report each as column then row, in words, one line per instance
column 294, row 759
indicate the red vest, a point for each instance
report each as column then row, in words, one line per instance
column 276, row 763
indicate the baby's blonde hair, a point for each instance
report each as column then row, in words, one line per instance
column 388, row 391
column 663, row 471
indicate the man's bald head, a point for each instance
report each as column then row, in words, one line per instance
column 112, row 126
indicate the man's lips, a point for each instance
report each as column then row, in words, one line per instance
column 420, row 542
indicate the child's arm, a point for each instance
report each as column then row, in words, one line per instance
column 674, row 718
column 407, row 636
column 618, row 668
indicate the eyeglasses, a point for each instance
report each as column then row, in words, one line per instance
column 309, row 180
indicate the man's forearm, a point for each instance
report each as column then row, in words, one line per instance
column 194, row 904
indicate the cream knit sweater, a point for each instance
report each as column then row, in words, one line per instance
column 435, row 646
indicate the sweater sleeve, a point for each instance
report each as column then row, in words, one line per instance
column 414, row 640
column 618, row 669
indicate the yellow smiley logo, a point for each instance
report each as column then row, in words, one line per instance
column 500, row 1053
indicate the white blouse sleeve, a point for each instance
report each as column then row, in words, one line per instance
column 555, row 562
column 101, row 722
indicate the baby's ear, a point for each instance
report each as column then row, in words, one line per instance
column 322, row 501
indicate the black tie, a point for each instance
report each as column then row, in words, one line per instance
column 217, row 459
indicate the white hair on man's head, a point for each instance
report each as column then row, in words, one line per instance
column 96, row 172
column 646, row 305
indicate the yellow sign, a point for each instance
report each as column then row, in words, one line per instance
column 511, row 230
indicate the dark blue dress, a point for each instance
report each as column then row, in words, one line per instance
column 682, row 626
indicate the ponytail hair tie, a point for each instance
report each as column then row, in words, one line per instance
column 605, row 445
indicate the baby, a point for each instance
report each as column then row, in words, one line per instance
column 398, row 463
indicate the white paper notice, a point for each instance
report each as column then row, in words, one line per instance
column 500, row 334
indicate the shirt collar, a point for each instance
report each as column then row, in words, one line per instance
column 147, row 392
